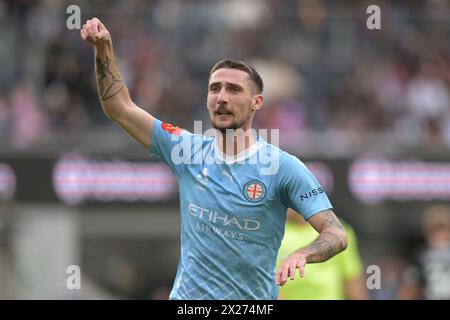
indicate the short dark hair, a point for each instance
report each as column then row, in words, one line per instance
column 236, row 64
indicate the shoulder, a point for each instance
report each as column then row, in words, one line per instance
column 274, row 151
column 178, row 132
column 290, row 162
column 293, row 170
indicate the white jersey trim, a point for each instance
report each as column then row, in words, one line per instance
column 241, row 156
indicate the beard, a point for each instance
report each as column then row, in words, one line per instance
column 234, row 125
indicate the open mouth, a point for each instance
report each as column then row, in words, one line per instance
column 224, row 113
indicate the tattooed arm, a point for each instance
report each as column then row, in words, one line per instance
column 113, row 93
column 331, row 240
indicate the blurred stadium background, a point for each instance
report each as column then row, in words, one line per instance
column 367, row 110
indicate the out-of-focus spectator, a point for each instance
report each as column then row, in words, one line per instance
column 427, row 275
column 28, row 122
column 284, row 108
column 410, row 285
column 392, row 270
column 339, row 278
column 4, row 117
column 434, row 261
column 428, row 102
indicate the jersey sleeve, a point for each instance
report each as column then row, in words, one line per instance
column 299, row 189
column 169, row 144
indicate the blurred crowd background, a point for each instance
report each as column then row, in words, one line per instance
column 334, row 89
column 319, row 60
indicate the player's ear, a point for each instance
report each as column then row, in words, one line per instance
column 257, row 101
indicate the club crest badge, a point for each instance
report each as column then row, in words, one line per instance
column 254, row 191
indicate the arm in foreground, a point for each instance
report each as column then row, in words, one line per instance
column 113, row 93
column 332, row 239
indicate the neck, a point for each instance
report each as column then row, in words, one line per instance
column 234, row 142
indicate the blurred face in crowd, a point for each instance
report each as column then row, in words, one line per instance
column 438, row 235
column 436, row 222
column 232, row 99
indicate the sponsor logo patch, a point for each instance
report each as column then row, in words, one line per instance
column 171, row 129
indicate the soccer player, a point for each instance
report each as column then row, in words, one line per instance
column 232, row 206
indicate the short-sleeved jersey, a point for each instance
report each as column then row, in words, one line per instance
column 233, row 212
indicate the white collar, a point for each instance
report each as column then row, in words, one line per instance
column 240, row 157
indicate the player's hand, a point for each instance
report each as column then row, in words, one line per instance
column 289, row 266
column 95, row 32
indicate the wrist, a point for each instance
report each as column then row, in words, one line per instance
column 302, row 254
column 103, row 46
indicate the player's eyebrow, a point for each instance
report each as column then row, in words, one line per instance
column 230, row 84
column 213, row 84
column 235, row 86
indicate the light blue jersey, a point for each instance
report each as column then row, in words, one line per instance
column 233, row 213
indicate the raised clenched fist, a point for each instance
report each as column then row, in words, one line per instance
column 95, row 32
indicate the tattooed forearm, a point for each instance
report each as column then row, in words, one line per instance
column 325, row 246
column 332, row 240
column 109, row 81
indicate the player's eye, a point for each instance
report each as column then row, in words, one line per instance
column 234, row 89
column 214, row 89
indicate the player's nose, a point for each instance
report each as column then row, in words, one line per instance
column 222, row 97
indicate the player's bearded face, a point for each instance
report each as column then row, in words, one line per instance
column 230, row 99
